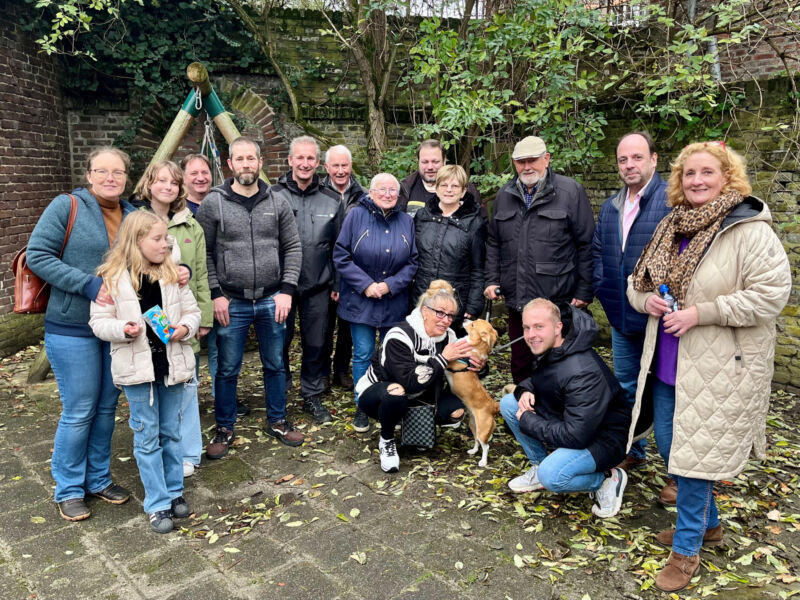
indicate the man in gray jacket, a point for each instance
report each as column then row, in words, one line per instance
column 319, row 213
column 254, row 257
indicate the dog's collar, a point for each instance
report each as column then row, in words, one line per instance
column 463, row 361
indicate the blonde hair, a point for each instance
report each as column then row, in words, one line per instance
column 731, row 163
column 439, row 289
column 544, row 303
column 125, row 254
column 149, row 177
column 452, row 171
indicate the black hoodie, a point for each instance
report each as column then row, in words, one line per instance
column 579, row 403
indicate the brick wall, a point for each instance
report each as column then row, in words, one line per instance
column 34, row 156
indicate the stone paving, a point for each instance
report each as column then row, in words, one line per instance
column 321, row 521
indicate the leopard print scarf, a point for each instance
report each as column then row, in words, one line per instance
column 660, row 261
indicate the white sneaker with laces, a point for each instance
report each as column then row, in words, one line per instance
column 188, row 469
column 390, row 461
column 609, row 496
column 527, row 482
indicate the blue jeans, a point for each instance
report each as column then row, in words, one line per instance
column 564, row 469
column 230, row 344
column 157, row 439
column 191, row 436
column 697, row 510
column 627, row 353
column 82, row 446
column 213, row 355
column 364, row 347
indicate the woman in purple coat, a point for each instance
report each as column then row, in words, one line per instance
column 376, row 258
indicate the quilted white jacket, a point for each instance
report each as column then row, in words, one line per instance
column 131, row 359
column 725, row 363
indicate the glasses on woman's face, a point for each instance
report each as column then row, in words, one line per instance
column 103, row 173
column 450, row 186
column 386, row 191
column 440, row 314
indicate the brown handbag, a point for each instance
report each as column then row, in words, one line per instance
column 31, row 293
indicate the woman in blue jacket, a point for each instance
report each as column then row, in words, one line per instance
column 81, row 362
column 376, row 257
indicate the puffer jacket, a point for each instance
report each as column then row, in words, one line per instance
column 453, row 249
column 579, row 402
column 373, row 247
column 612, row 265
column 319, row 213
column 544, row 251
column 131, row 358
column 351, row 195
column 413, row 195
column 725, row 363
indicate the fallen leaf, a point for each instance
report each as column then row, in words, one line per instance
column 359, row 557
column 38, row 520
column 231, row 550
column 774, row 515
column 284, row 479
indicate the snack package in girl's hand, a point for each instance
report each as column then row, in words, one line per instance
column 157, row 319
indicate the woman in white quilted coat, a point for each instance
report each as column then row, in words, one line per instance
column 156, row 374
column 707, row 365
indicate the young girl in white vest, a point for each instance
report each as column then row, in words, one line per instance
column 155, row 376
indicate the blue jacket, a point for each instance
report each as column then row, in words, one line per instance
column 73, row 282
column 374, row 248
column 611, row 265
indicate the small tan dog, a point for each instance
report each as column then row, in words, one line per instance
column 468, row 387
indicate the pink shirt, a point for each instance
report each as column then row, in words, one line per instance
column 629, row 212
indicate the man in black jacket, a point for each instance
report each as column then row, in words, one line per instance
column 319, row 214
column 571, row 404
column 339, row 165
column 539, row 243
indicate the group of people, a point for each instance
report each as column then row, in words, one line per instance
column 395, row 270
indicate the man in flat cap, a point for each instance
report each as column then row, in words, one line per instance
column 539, row 243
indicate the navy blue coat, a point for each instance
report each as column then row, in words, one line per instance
column 611, row 265
column 374, row 248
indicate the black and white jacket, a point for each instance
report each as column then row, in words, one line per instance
column 410, row 357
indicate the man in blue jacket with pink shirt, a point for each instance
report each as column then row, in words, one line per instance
column 624, row 226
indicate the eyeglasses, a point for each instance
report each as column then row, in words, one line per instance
column 385, row 191
column 103, row 173
column 440, row 314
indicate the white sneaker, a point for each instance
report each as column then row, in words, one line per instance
column 609, row 496
column 390, row 462
column 527, row 482
column 188, row 469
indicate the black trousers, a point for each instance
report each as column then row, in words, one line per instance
column 313, row 311
column 343, row 355
column 389, row 409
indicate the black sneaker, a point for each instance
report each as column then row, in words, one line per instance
column 180, row 508
column 74, row 509
column 285, row 432
column 242, row 409
column 219, row 445
column 313, row 406
column 161, row 521
column 361, row 421
column 113, row 494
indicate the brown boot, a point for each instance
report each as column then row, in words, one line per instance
column 678, row 572
column 631, row 463
column 712, row 537
column 669, row 494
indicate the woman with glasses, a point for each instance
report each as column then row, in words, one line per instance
column 451, row 241
column 376, row 258
column 411, row 367
column 713, row 278
column 81, row 362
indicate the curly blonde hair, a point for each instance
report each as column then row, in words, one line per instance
column 439, row 289
column 125, row 254
column 731, row 163
column 149, row 177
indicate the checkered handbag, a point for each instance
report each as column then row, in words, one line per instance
column 419, row 426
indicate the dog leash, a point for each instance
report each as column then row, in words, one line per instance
column 504, row 346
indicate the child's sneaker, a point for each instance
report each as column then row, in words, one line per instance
column 390, row 462
column 161, row 521
column 180, row 508
column 609, row 496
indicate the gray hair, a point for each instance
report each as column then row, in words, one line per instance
column 244, row 140
column 304, row 139
column 340, row 148
column 375, row 179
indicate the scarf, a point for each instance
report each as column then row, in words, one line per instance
column 662, row 263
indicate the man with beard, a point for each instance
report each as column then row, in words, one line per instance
column 254, row 257
column 339, row 165
column 420, row 187
column 625, row 225
column 319, row 213
column 539, row 243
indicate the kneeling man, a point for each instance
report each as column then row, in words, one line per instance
column 572, row 404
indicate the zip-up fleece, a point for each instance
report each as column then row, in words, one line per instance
column 251, row 254
column 319, row 213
